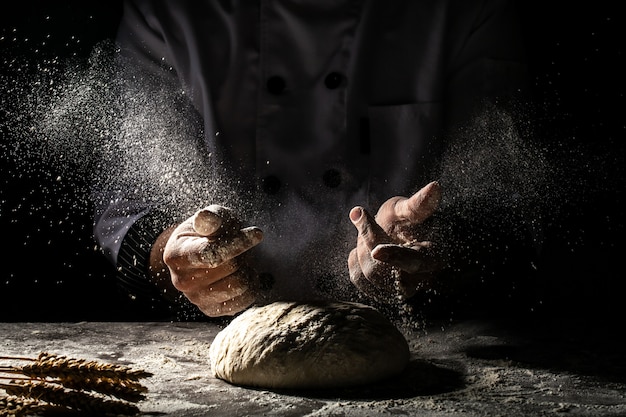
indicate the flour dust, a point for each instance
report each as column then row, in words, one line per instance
column 79, row 133
column 92, row 127
column 94, row 122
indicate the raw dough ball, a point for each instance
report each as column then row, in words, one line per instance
column 308, row 345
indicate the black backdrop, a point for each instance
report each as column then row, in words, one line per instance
column 51, row 270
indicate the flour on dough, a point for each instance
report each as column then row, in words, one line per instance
column 308, row 345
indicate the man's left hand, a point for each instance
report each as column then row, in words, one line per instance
column 390, row 259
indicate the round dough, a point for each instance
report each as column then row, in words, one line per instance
column 308, row 345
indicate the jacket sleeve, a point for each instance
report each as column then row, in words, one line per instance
column 125, row 231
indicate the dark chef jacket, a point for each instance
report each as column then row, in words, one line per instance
column 326, row 104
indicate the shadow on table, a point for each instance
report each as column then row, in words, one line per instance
column 591, row 350
column 420, row 378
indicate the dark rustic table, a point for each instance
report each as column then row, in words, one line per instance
column 471, row 368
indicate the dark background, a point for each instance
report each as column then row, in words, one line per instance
column 52, row 271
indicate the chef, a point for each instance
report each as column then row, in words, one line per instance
column 331, row 115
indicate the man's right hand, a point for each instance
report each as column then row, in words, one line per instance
column 202, row 255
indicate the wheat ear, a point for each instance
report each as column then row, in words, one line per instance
column 124, row 390
column 72, row 399
column 60, row 367
column 12, row 406
column 53, row 383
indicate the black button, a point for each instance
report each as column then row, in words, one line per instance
column 333, row 80
column 276, row 84
column 270, row 184
column 332, row 178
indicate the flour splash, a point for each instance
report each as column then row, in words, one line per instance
column 95, row 123
column 95, row 128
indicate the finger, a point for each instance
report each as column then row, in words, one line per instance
column 206, row 222
column 360, row 281
column 230, row 307
column 354, row 269
column 370, row 233
column 189, row 280
column 216, row 253
column 238, row 292
column 215, row 219
column 419, row 258
column 220, row 291
column 419, row 206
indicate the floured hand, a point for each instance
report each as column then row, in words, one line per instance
column 203, row 255
column 389, row 251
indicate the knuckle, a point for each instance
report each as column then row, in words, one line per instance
column 182, row 282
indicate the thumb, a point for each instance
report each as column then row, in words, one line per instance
column 370, row 232
column 206, row 222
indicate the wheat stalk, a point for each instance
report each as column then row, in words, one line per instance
column 124, row 390
column 57, row 381
column 12, row 406
column 62, row 367
column 72, row 399
column 107, row 379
